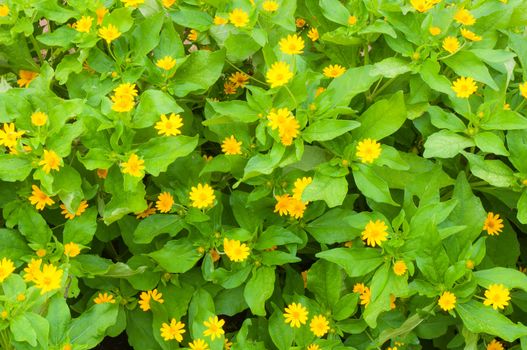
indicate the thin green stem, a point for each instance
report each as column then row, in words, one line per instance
column 241, row 71
column 522, row 103
column 36, row 46
column 378, row 91
column 291, row 94
column 110, row 51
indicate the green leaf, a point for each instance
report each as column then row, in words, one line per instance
column 33, row 226
column 345, row 307
column 275, row 236
column 58, row 316
column 334, row 11
column 160, row 152
column 240, row 47
column 324, row 130
column 13, row 244
column 22, row 330
column 145, row 35
column 281, row 333
column 391, row 67
column 495, row 172
column 90, row 327
column 332, row 190
column 157, row 224
column 336, row 225
column 379, row 26
column 61, row 37
column 152, row 104
column 198, row 72
column 13, row 168
column 237, row 111
column 382, row 119
column 430, row 74
column 467, row 64
column 324, row 279
column 81, row 229
column 522, row 208
column 259, row 288
column 490, row 143
column 446, row 144
column 186, row 253
column 510, row 278
column 355, row 261
column 443, row 120
column 504, row 120
column 199, row 20
column 372, row 185
column 479, row 318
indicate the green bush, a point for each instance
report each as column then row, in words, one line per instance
column 274, row 174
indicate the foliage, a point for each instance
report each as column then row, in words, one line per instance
column 319, row 174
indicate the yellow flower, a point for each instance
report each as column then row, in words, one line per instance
column 494, row 345
column 6, row 268
column 122, row 103
column 104, row 298
column 451, row 44
column 126, row 89
column 169, row 126
column 50, row 161
column 227, row 344
column 39, row 118
column 399, row 268
column 174, row 330
column 164, row 202
column 231, row 146
column 300, row 185
column 235, row 250
column 198, row 344
column 447, row 301
column 9, row 136
column 368, row 150
column 192, row 35
column 83, row 25
column 300, row 22
column 464, row 87
column 283, row 203
column 434, row 31
column 146, row 297
column 101, row 12
column 469, row 264
column 375, row 233
column 313, row 34
column 134, row 166
column 352, row 20
column 166, row 63
column 359, row 288
column 71, row 249
column 313, row 347
column 292, row 45
column 168, row 3
column 229, row 88
column 239, row 79
column 26, row 77
column 219, row 21
column 493, row 224
column 523, row 90
column 319, row 325
column 497, row 296
column 41, row 252
column 202, row 196
column 239, row 18
column 277, row 117
column 365, row 297
column 464, row 17
column 421, row 5
column 320, row 90
column 82, row 208
column 32, row 271
column 334, row 71
column 288, row 130
column 4, row 10
column 296, row 208
column 392, row 302
column 146, row 213
column 270, row 5
column 132, row 3
column 470, row 35
column 39, row 199
column 109, row 33
column 21, row 297
column 214, row 327
column 295, row 314
column 48, row 279
column 279, row 74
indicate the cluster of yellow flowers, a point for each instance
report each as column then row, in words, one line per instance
column 293, row 205
column 47, row 278
column 123, row 97
column 236, row 80
column 296, row 315
column 286, row 123
column 496, row 296
column 175, row 329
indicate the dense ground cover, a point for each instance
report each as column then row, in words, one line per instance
column 267, row 174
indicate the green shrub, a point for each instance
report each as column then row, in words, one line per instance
column 263, row 174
